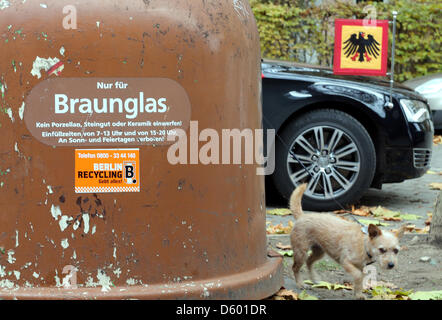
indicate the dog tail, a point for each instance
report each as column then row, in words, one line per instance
column 295, row 201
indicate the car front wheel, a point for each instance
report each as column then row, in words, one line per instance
column 330, row 151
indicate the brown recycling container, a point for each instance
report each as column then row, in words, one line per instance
column 91, row 206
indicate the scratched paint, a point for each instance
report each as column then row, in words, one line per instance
column 21, row 110
column 104, row 281
column 43, row 64
column 2, row 271
column 65, row 243
column 117, row 272
column 10, row 115
column 11, row 258
column 64, row 222
column 7, row 284
column 56, row 212
column 4, row 4
column 86, row 222
column 3, row 88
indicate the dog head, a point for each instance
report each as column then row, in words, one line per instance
column 384, row 245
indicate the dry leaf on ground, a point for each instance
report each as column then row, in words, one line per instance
column 361, row 211
column 389, row 285
column 329, row 286
column 286, row 253
column 434, row 172
column 280, row 228
column 430, row 218
column 279, row 212
column 437, row 139
column 436, row 186
column 281, row 246
column 379, row 213
column 426, row 295
column 285, row 294
column 384, row 293
column 412, row 229
column 386, row 214
column 390, row 215
column 375, row 222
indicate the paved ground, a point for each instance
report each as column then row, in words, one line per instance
column 413, row 197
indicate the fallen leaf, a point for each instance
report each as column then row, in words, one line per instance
column 426, row 295
column 361, row 211
column 280, row 228
column 375, row 222
column 436, row 186
column 286, row 253
column 390, row 215
column 386, row 214
column 279, row 212
column 437, row 139
column 430, row 218
column 331, row 286
column 408, row 216
column 305, row 296
column 384, row 293
column 434, row 172
column 283, row 246
column 422, row 231
column 374, row 284
column 412, row 229
column 285, row 294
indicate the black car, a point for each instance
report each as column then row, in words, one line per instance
column 341, row 134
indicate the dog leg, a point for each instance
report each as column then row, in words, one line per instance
column 358, row 277
column 317, row 253
column 299, row 255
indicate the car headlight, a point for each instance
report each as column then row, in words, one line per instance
column 415, row 110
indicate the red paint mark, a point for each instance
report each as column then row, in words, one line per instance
column 54, row 68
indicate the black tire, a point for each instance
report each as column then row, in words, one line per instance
column 345, row 176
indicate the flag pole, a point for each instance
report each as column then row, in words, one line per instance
column 393, row 54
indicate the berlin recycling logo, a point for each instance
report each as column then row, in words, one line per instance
column 130, row 172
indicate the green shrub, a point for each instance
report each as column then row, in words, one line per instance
column 297, row 30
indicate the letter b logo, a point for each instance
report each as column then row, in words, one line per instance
column 130, row 172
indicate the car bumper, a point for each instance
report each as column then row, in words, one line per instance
column 413, row 161
column 437, row 119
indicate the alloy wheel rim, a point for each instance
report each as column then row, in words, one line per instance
column 332, row 159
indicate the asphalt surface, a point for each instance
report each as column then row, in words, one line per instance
column 411, row 196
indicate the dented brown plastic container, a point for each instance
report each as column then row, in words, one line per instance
column 90, row 206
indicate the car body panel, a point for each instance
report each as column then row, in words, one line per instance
column 290, row 90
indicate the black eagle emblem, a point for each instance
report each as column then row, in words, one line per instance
column 358, row 45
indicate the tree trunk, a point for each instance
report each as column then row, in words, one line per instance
column 436, row 223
